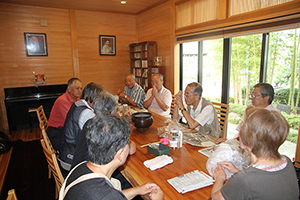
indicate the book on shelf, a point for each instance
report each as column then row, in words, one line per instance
column 145, row 73
column 137, row 63
column 145, row 47
column 137, row 48
column 146, row 83
column 138, row 72
column 138, row 80
column 137, row 55
column 191, row 181
column 146, row 54
column 144, row 64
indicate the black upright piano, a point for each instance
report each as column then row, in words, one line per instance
column 19, row 100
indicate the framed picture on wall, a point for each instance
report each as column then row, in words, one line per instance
column 107, row 45
column 36, row 44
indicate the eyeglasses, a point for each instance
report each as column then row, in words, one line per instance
column 254, row 95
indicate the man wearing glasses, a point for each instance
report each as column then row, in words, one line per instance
column 199, row 113
column 262, row 96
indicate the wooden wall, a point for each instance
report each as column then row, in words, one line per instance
column 17, row 69
column 157, row 25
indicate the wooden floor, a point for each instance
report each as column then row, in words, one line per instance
column 24, row 135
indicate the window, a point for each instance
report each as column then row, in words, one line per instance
column 282, row 70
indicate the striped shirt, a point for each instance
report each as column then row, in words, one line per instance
column 137, row 94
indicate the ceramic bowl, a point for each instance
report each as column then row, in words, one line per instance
column 142, row 120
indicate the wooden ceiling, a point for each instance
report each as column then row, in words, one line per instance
column 115, row 6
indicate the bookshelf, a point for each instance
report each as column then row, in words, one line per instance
column 141, row 58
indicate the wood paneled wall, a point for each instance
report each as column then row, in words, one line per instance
column 17, row 69
column 157, row 25
column 108, row 71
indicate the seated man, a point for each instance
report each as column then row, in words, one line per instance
column 107, row 139
column 158, row 98
column 133, row 93
column 60, row 109
column 104, row 104
column 262, row 96
column 79, row 113
column 199, row 113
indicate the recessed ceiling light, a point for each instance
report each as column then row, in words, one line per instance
column 123, row 2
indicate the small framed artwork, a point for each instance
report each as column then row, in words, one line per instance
column 36, row 44
column 107, row 45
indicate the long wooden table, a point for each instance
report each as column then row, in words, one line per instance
column 185, row 160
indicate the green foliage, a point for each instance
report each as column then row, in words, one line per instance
column 293, row 120
column 238, row 109
column 234, row 120
column 292, row 137
column 281, row 96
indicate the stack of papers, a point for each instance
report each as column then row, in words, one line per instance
column 191, row 181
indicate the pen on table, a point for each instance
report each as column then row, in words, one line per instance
column 151, row 143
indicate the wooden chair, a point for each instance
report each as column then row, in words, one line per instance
column 46, row 138
column 12, row 195
column 53, row 163
column 42, row 117
column 172, row 105
column 223, row 113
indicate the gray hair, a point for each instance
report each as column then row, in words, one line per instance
column 198, row 88
column 133, row 76
column 104, row 103
column 72, row 80
column 161, row 77
column 105, row 136
column 265, row 90
column 90, row 91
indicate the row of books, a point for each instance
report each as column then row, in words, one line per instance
column 139, row 47
column 136, row 55
column 137, row 64
column 140, row 72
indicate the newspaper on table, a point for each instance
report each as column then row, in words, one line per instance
column 191, row 181
column 196, row 138
column 207, row 151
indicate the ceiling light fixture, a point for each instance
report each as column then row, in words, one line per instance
column 123, row 2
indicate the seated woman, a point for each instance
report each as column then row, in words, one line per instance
column 271, row 175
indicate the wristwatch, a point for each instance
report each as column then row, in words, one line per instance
column 182, row 109
column 125, row 96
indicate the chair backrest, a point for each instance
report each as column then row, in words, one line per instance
column 12, row 195
column 42, row 116
column 46, row 138
column 52, row 162
column 223, row 113
column 172, row 105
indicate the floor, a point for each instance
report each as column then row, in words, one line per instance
column 24, row 135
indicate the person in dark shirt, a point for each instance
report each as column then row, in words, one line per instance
column 108, row 147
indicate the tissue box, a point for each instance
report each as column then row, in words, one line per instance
column 158, row 149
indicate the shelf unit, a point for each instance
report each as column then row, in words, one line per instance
column 141, row 60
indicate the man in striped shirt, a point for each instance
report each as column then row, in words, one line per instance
column 133, row 93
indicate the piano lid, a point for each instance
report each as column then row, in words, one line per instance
column 34, row 92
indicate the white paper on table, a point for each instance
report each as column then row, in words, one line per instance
column 191, row 181
column 158, row 162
